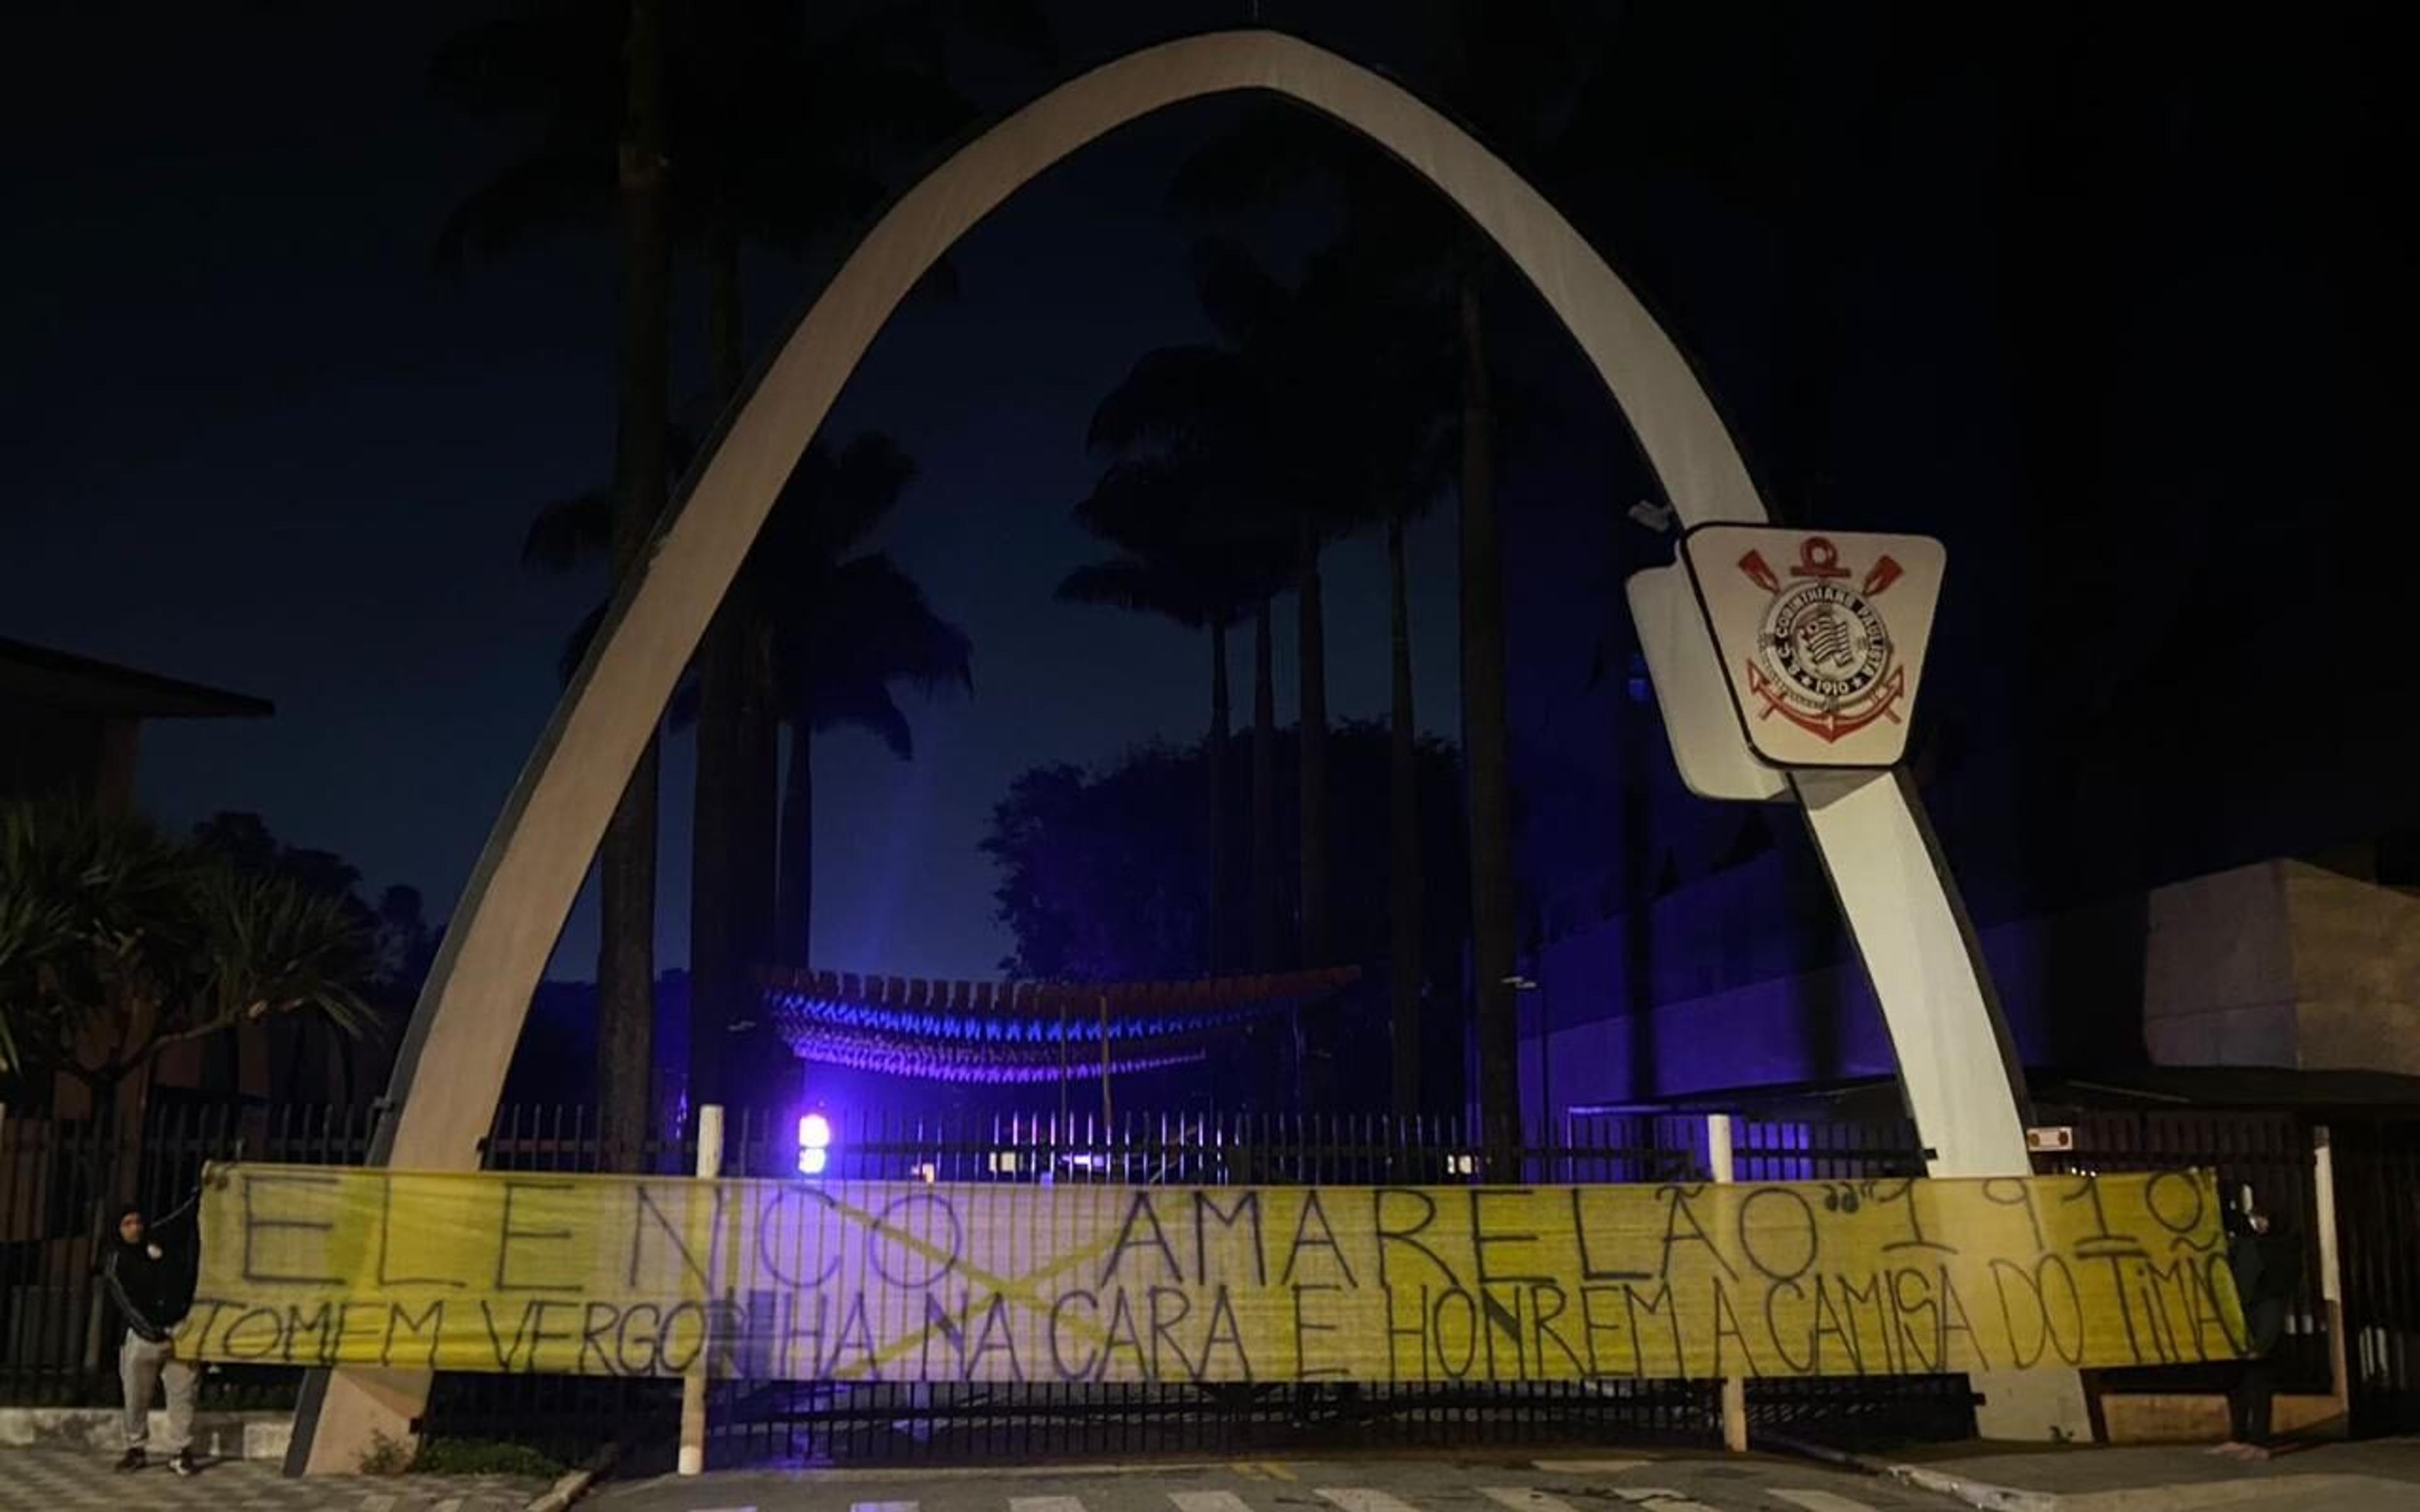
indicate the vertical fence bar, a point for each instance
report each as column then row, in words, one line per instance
column 693, row 1424
column 1734, row 1388
column 2323, row 1193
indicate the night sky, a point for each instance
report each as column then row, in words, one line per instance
column 253, row 441
column 2118, row 304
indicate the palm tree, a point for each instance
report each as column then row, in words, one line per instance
column 1247, row 411
column 1178, row 560
column 838, row 629
column 788, row 128
column 118, row 943
column 1198, row 413
column 1509, row 67
column 847, row 628
column 778, row 128
column 1326, row 409
column 596, row 76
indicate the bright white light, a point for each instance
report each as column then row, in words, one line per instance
column 928, row 1173
column 814, row 1144
column 1461, row 1165
column 1003, row 1162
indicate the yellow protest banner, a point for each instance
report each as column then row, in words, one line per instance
column 642, row 1275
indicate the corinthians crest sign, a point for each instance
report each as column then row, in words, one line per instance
column 1821, row 636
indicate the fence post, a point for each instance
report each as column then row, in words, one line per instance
column 1718, row 1158
column 692, row 1423
column 2323, row 1192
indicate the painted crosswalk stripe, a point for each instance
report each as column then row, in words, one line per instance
column 1814, row 1501
column 877, row 1506
column 1360, row 1498
column 378, row 1502
column 1586, row 1467
column 1524, row 1499
column 1045, row 1504
column 1208, row 1502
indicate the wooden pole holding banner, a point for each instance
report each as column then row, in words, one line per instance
column 693, row 1421
column 1718, row 1156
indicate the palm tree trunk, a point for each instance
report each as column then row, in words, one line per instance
column 756, row 856
column 1492, row 904
column 1313, row 761
column 1404, row 882
column 1639, row 891
column 714, row 963
column 1311, row 807
column 1264, row 794
column 1222, row 730
column 794, row 904
column 626, row 961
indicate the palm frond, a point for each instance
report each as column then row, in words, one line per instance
column 1149, row 504
column 1278, row 147
column 832, row 503
column 549, row 58
column 868, row 478
column 868, row 705
column 269, row 948
column 1242, row 297
column 1174, row 396
column 570, row 530
column 1121, row 582
column 575, row 645
column 877, row 622
column 553, row 190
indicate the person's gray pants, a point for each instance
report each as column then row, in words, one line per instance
column 139, row 1365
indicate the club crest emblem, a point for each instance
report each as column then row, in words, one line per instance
column 1825, row 660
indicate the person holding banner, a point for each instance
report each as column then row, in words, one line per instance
column 2268, row 1268
column 149, row 1273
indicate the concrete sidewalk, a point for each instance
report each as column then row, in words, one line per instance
column 77, row 1480
column 2374, row 1476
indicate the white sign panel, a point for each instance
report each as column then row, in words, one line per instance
column 1707, row 746
column 1821, row 636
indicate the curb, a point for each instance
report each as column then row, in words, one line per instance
column 573, row 1485
column 1975, row 1493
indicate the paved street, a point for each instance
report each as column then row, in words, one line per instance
column 1393, row 1484
column 2373, row 1477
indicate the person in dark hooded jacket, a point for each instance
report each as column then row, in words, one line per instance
column 148, row 1270
column 2267, row 1262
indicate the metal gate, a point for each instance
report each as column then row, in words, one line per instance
column 2378, row 1224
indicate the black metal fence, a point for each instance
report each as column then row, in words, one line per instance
column 2271, row 1152
column 57, row 1183
column 2377, row 1194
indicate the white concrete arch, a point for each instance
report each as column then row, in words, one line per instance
column 470, row 1016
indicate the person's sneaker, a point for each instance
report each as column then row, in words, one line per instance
column 183, row 1463
column 131, row 1459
